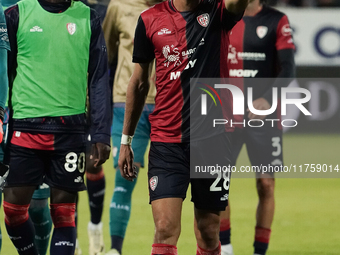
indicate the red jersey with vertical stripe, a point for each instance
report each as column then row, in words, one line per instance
column 255, row 42
column 186, row 45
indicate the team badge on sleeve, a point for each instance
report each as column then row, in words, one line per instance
column 203, row 19
column 286, row 30
column 153, row 182
column 71, row 28
column 261, row 31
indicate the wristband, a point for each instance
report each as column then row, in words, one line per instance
column 126, row 139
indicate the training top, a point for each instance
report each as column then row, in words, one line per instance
column 119, row 28
column 185, row 45
column 55, row 48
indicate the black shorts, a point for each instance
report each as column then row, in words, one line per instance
column 169, row 173
column 57, row 160
column 264, row 145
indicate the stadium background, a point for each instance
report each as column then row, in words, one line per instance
column 307, row 209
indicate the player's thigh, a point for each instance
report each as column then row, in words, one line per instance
column 210, row 189
column 237, row 141
column 264, row 146
column 89, row 162
column 167, row 214
column 27, row 166
column 169, row 173
column 67, row 163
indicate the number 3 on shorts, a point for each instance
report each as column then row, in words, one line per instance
column 226, row 181
column 72, row 162
column 276, row 144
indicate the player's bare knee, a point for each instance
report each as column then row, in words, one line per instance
column 209, row 229
column 95, row 174
column 62, row 196
column 93, row 170
column 166, row 228
column 265, row 187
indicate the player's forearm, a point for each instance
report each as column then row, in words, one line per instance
column 286, row 74
column 135, row 99
column 3, row 77
column 236, row 6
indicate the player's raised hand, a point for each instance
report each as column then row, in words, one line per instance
column 100, row 152
column 1, row 131
column 259, row 104
column 125, row 163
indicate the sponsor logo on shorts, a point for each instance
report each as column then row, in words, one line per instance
column 203, row 19
column 17, row 133
column 79, row 179
column 153, row 182
column 225, row 197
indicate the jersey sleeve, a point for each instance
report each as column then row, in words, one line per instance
column 4, row 41
column 99, row 90
column 284, row 39
column 143, row 51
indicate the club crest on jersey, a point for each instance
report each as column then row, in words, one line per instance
column 203, row 19
column 261, row 31
column 153, row 182
column 71, row 28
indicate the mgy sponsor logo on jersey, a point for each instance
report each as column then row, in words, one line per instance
column 153, row 182
column 176, row 75
column 261, row 31
column 164, row 31
column 242, row 73
column 71, row 28
column 203, row 19
column 171, row 55
column 286, row 30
